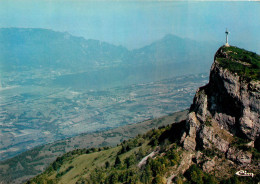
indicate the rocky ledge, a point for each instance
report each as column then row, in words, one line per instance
column 225, row 113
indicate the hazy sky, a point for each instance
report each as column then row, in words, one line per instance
column 134, row 24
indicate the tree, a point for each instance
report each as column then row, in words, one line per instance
column 146, row 176
column 159, row 180
column 209, row 179
column 130, row 161
column 196, row 177
column 117, row 162
column 178, row 180
column 113, row 178
column 107, row 164
column 97, row 176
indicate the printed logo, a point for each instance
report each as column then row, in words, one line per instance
column 244, row 173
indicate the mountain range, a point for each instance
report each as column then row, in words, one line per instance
column 40, row 68
column 100, row 64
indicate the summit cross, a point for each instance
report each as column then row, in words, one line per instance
column 227, row 45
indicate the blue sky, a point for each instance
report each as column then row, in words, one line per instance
column 136, row 23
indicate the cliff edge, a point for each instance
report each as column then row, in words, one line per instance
column 225, row 112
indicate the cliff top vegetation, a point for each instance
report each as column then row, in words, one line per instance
column 245, row 63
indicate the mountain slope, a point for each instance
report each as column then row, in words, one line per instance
column 35, row 161
column 170, row 48
column 24, row 49
column 209, row 147
column 36, row 48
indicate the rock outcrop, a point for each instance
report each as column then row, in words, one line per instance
column 228, row 107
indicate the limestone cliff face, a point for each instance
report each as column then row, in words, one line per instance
column 234, row 103
column 227, row 107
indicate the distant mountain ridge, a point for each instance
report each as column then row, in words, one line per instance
column 168, row 49
column 34, row 47
column 93, row 64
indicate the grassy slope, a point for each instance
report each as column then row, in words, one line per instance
column 240, row 61
column 84, row 164
column 33, row 162
column 89, row 166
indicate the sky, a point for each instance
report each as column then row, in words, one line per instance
column 137, row 23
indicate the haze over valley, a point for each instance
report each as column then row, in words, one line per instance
column 59, row 94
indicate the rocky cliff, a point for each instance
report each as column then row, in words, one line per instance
column 225, row 112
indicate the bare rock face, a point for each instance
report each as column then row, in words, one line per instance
column 210, row 139
column 234, row 103
column 208, row 165
column 227, row 107
column 192, row 125
column 239, row 156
